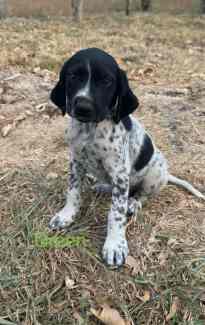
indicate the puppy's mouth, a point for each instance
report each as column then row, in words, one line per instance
column 83, row 119
column 84, row 116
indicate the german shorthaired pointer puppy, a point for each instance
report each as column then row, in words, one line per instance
column 107, row 142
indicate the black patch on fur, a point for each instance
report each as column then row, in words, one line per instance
column 121, row 210
column 135, row 190
column 120, row 181
column 118, row 219
column 145, row 154
column 127, row 122
column 122, row 190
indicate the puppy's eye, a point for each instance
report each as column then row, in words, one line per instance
column 72, row 76
column 107, row 81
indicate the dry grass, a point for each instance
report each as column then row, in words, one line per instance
column 163, row 56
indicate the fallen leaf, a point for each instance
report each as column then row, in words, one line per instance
column 70, row 284
column 6, row 129
column 20, row 118
column 143, row 296
column 41, row 107
column 146, row 296
column 148, row 70
column 37, row 70
column 29, row 113
column 163, row 256
column 51, row 176
column 132, row 264
column 58, row 307
column 77, row 316
column 173, row 309
column 109, row 316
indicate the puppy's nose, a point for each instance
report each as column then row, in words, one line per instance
column 83, row 105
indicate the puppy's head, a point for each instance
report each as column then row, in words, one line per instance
column 92, row 87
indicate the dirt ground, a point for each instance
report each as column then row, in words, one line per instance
column 164, row 282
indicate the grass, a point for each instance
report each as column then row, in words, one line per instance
column 167, row 240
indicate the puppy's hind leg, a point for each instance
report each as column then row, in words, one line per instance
column 151, row 184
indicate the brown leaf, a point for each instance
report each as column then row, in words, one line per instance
column 132, row 264
column 173, row 309
column 37, row 70
column 29, row 113
column 146, row 296
column 148, row 70
column 20, row 118
column 58, row 307
column 41, row 107
column 51, row 176
column 77, row 316
column 70, row 284
column 163, row 256
column 6, row 130
column 109, row 316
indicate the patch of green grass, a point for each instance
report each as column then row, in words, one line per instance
column 44, row 240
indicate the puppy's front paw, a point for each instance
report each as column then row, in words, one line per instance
column 61, row 219
column 115, row 251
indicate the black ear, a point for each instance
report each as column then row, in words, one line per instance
column 126, row 101
column 58, row 94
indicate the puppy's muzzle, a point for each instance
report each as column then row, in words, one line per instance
column 83, row 109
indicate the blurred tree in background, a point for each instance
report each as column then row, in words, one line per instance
column 127, row 7
column 3, row 8
column 145, row 5
column 77, row 9
column 203, row 6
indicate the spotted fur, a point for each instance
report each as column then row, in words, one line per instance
column 109, row 144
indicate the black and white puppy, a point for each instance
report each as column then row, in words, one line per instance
column 108, row 143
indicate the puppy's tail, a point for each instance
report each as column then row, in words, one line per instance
column 177, row 181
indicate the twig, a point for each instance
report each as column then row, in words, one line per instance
column 12, row 77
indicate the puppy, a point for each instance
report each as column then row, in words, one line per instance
column 107, row 142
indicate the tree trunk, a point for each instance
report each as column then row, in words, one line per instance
column 145, row 4
column 3, row 8
column 77, row 9
column 127, row 7
column 203, row 6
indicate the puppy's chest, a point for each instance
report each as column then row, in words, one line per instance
column 96, row 154
column 98, row 148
